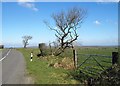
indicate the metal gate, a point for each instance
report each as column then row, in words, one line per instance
column 93, row 64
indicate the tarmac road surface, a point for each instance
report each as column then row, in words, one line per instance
column 13, row 67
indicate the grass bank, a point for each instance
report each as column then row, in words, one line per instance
column 42, row 73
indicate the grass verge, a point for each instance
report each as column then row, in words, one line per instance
column 44, row 74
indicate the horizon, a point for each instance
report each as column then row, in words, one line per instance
column 100, row 28
column 52, row 46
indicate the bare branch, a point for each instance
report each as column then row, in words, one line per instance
column 67, row 23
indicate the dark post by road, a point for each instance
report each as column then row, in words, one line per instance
column 75, row 58
column 114, row 58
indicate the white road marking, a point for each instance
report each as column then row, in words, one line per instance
column 5, row 55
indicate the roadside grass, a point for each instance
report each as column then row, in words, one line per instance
column 42, row 73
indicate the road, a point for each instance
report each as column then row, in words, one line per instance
column 4, row 52
column 13, row 67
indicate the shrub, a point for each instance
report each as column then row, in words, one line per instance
column 108, row 77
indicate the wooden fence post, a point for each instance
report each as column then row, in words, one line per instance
column 114, row 58
column 75, row 58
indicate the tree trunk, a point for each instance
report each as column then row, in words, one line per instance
column 25, row 45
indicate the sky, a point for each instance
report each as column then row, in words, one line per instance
column 100, row 27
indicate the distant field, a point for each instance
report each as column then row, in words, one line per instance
column 43, row 74
column 93, row 50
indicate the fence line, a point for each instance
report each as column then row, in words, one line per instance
column 96, row 55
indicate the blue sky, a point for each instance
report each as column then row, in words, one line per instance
column 19, row 19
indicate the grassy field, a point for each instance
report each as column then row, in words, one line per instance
column 42, row 73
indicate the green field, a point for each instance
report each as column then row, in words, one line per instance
column 42, row 73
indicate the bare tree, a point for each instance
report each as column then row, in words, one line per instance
column 67, row 24
column 25, row 40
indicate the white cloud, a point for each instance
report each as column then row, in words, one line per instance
column 97, row 22
column 26, row 0
column 28, row 4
